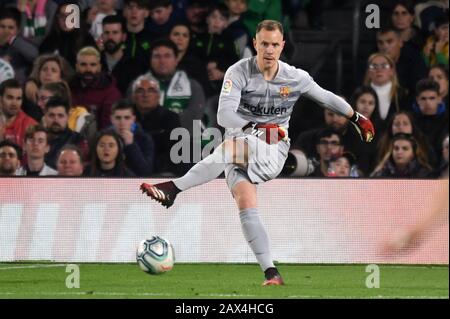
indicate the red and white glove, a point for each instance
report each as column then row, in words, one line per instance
column 270, row 133
column 363, row 126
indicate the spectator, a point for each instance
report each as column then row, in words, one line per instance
column 13, row 47
column 409, row 63
column 237, row 29
column 402, row 18
column 162, row 18
column 37, row 18
column 137, row 44
column 403, row 160
column 2, row 126
column 365, row 101
column 80, row 120
column 6, row 71
column 47, row 68
column 342, row 165
column 435, row 50
column 382, row 77
column 94, row 88
column 195, row 12
column 56, row 122
column 122, row 67
column 439, row 74
column 216, row 47
column 187, row 61
column 35, row 147
column 259, row 10
column 328, row 143
column 349, row 137
column 428, row 12
column 156, row 120
column 108, row 158
column 430, row 114
column 95, row 15
column 180, row 94
column 10, row 155
column 139, row 148
column 215, row 44
column 64, row 39
column 11, row 98
column 69, row 161
column 404, row 122
column 441, row 170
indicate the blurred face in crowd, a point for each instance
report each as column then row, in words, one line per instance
column 442, row 32
column 113, row 37
column 445, row 149
column 50, row 72
column 440, row 77
column 428, row 102
column 268, row 46
column 402, row 153
column 329, row 147
column 380, row 71
column 163, row 61
column 88, row 66
column 336, row 121
column 401, row 124
column 401, row 18
column 2, row 127
column 43, row 97
column 134, row 14
column 107, row 151
column 341, row 167
column 366, row 104
column 11, row 101
column 390, row 43
column 216, row 22
column 9, row 161
column 55, row 119
column 196, row 14
column 236, row 7
column 8, row 29
column 37, row 146
column 62, row 16
column 146, row 95
column 161, row 15
column 105, row 5
column 180, row 35
column 123, row 119
column 69, row 163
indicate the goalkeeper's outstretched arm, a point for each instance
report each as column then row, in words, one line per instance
column 338, row 105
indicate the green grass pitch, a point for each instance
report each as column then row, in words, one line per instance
column 206, row 281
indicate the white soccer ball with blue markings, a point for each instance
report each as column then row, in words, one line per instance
column 155, row 255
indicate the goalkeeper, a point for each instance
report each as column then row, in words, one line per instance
column 255, row 105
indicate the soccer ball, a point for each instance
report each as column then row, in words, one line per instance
column 155, row 255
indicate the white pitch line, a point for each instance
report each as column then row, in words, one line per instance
column 149, row 294
column 33, row 266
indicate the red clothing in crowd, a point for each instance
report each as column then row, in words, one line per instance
column 16, row 130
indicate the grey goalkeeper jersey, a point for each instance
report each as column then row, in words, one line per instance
column 247, row 97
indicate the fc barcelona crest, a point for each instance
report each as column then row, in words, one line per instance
column 284, row 92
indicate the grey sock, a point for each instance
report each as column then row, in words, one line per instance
column 206, row 170
column 256, row 236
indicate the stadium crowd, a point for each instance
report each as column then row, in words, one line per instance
column 101, row 98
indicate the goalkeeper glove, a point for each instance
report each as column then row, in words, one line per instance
column 363, row 126
column 270, row 133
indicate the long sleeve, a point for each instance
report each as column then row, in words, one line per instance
column 329, row 100
column 230, row 98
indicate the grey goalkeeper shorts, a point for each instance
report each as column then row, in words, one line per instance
column 265, row 162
